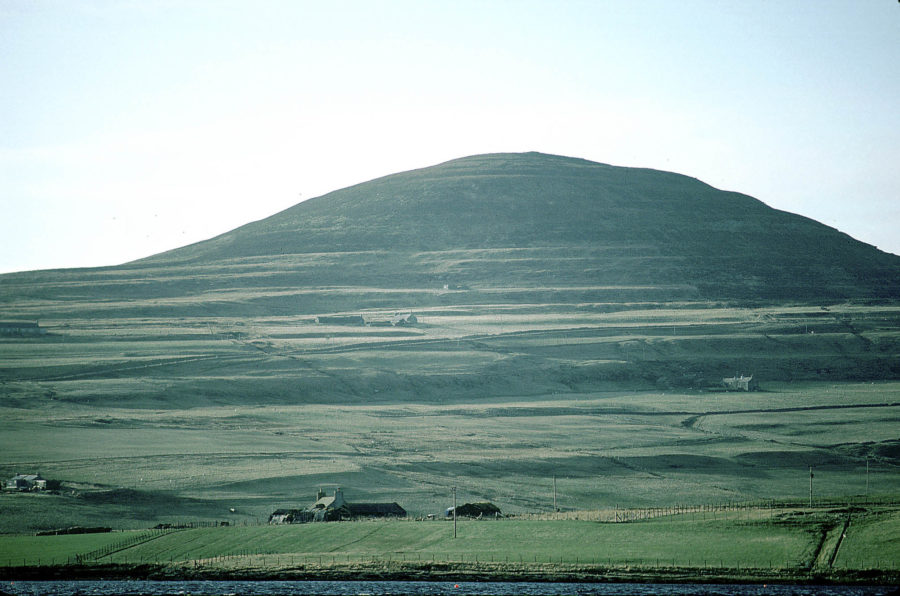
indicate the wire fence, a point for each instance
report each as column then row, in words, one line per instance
column 421, row 560
column 758, row 509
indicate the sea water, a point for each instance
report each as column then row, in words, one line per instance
column 416, row 588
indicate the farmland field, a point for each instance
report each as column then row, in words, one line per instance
column 737, row 542
column 152, row 419
column 149, row 421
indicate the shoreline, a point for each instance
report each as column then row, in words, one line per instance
column 472, row 572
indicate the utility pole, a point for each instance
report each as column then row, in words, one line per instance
column 454, row 511
column 867, row 479
column 555, row 508
column 810, row 485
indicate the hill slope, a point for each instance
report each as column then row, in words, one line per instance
column 528, row 273
column 567, row 221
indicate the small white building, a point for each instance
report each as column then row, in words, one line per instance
column 740, row 383
column 400, row 320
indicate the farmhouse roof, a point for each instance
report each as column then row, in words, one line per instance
column 27, row 477
column 335, row 501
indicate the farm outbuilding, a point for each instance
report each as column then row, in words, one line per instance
column 400, row 320
column 335, row 508
column 291, row 516
column 475, row 510
column 740, row 383
column 351, row 320
column 26, row 482
column 21, row 328
column 370, row 510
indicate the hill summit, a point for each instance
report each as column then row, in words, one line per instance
column 543, row 219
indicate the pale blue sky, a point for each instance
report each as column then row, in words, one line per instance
column 132, row 127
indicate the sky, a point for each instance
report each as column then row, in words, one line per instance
column 128, row 127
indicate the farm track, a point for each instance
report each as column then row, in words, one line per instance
column 694, row 418
column 690, row 422
column 693, row 422
column 223, row 455
column 114, row 370
column 840, row 541
column 484, row 339
column 829, row 541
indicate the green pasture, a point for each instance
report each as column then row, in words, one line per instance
column 761, row 539
column 513, row 541
column 50, row 550
column 872, row 540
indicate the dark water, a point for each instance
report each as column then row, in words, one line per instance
column 375, row 588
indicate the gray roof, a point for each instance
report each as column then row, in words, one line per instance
column 28, row 477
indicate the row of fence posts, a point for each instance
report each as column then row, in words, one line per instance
column 114, row 547
column 771, row 505
column 278, row 561
column 705, row 511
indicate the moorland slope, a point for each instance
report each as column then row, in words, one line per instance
column 526, row 272
column 546, row 220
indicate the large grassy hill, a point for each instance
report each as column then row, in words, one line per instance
column 541, row 220
column 572, row 317
column 527, row 272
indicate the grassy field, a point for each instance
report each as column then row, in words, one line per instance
column 766, row 540
column 132, row 468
